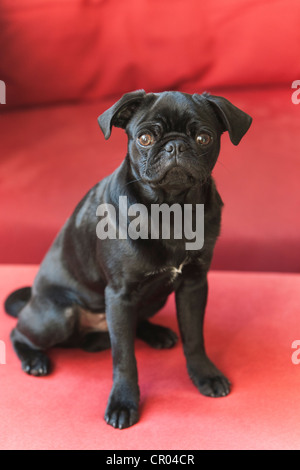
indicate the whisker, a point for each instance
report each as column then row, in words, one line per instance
column 133, row 181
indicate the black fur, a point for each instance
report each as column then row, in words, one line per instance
column 82, row 276
column 17, row 300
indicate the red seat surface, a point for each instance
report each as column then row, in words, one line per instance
column 252, row 320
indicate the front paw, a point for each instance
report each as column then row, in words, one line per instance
column 209, row 380
column 218, row 386
column 120, row 415
column 122, row 407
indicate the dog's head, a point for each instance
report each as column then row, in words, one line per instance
column 173, row 137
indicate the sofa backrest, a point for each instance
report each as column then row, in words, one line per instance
column 65, row 50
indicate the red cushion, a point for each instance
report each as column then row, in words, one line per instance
column 252, row 321
column 68, row 50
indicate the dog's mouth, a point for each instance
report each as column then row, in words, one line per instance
column 177, row 177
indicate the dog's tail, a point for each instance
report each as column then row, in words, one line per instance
column 17, row 300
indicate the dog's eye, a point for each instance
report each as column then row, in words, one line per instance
column 145, row 140
column 203, row 138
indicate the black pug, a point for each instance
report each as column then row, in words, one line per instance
column 98, row 293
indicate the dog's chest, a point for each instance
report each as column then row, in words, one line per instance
column 170, row 272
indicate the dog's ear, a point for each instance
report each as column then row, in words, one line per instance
column 234, row 120
column 120, row 113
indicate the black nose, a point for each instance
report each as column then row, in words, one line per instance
column 175, row 147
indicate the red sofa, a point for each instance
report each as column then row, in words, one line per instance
column 63, row 63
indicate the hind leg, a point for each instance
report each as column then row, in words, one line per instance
column 42, row 324
column 96, row 341
column 158, row 337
